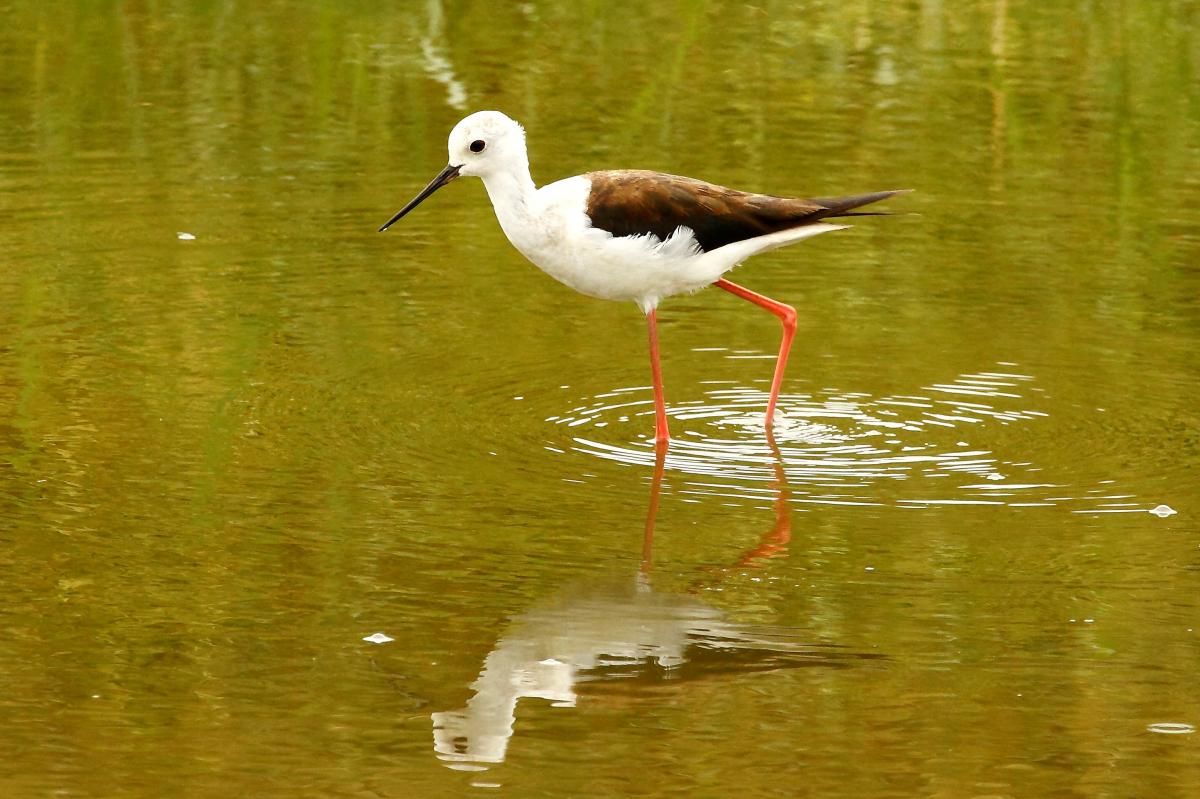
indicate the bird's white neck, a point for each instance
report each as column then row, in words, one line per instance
column 510, row 188
column 513, row 197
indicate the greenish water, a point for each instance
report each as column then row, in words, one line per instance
column 226, row 460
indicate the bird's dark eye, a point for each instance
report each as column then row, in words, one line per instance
column 478, row 145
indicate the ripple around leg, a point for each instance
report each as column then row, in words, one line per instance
column 842, row 448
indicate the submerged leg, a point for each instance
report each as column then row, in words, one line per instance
column 774, row 543
column 787, row 315
column 660, row 460
column 661, row 436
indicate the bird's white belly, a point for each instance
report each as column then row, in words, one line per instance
column 559, row 239
column 622, row 269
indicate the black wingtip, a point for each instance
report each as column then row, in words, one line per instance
column 841, row 206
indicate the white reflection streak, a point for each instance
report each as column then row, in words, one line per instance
column 549, row 651
column 437, row 65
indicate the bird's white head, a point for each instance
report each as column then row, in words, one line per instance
column 484, row 144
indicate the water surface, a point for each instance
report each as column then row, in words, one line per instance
column 242, row 432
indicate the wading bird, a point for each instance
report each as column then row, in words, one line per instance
column 630, row 234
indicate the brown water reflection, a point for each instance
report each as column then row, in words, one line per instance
column 226, row 460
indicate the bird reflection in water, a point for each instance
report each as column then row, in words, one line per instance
column 619, row 630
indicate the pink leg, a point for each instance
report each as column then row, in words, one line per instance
column 787, row 315
column 661, row 435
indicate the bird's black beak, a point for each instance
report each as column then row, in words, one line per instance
column 445, row 176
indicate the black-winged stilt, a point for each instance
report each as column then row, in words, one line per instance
column 632, row 234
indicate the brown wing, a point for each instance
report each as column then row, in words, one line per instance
column 633, row 202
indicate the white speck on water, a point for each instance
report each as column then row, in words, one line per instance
column 1163, row 511
column 963, row 444
column 1171, row 728
column 486, row 785
column 995, row 476
column 182, row 236
column 550, row 662
column 518, row 397
column 869, row 569
column 379, row 638
column 1089, row 621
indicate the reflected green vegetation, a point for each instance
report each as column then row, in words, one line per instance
column 226, row 460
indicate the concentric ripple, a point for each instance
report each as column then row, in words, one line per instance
column 842, row 447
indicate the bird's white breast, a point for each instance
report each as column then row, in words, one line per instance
column 552, row 229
